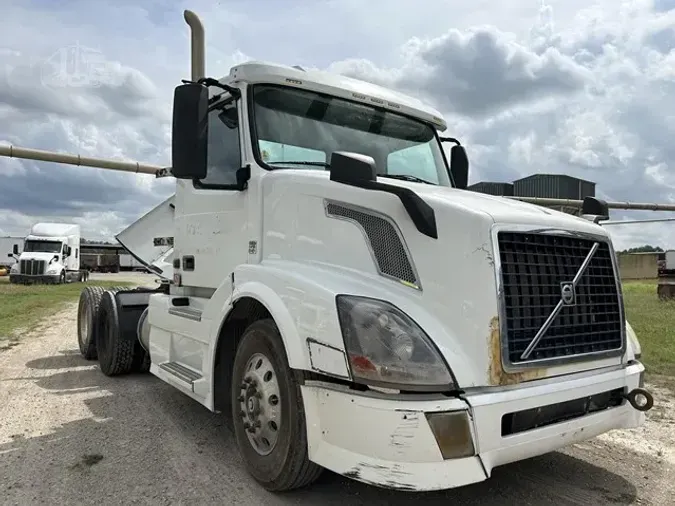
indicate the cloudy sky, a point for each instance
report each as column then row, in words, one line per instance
column 574, row 86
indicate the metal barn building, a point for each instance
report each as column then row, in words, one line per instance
column 493, row 188
column 553, row 186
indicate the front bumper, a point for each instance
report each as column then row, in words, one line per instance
column 28, row 279
column 390, row 443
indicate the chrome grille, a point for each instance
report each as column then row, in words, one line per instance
column 32, row 267
column 542, row 301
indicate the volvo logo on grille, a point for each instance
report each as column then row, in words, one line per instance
column 568, row 293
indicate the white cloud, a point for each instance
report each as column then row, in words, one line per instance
column 529, row 86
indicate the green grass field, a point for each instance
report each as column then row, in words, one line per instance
column 23, row 306
column 654, row 323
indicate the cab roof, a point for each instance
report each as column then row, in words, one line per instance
column 337, row 85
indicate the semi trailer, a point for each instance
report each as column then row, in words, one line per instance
column 51, row 254
column 332, row 287
column 7, row 250
column 101, row 262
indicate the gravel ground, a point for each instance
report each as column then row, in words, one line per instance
column 69, row 435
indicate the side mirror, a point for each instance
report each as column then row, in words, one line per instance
column 595, row 207
column 352, row 168
column 459, row 166
column 10, row 255
column 190, row 132
column 15, row 249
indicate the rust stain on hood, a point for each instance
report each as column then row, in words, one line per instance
column 496, row 373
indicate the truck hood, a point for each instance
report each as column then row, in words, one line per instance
column 500, row 209
column 150, row 239
column 458, row 304
column 37, row 255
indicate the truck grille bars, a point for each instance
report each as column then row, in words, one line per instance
column 32, row 267
column 560, row 298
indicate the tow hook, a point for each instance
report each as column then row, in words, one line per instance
column 640, row 399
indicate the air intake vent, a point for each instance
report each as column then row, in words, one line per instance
column 384, row 240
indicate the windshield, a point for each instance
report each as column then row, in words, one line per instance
column 301, row 126
column 42, row 246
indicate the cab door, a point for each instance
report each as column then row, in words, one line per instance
column 210, row 241
column 211, row 213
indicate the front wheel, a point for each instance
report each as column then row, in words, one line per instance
column 267, row 412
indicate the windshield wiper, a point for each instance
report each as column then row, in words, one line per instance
column 302, row 162
column 406, row 177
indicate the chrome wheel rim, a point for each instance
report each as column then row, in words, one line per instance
column 260, row 404
column 84, row 323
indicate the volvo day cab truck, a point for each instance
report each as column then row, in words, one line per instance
column 335, row 291
column 51, row 254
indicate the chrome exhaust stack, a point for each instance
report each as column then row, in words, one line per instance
column 197, row 45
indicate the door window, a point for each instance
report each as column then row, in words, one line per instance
column 224, row 155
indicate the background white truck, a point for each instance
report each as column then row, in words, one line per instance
column 51, row 254
column 347, row 303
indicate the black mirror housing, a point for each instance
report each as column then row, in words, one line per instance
column 595, row 207
column 10, row 255
column 15, row 249
column 459, row 166
column 352, row 167
column 190, row 131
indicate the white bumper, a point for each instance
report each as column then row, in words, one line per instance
column 390, row 443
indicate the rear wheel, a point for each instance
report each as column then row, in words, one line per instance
column 267, row 412
column 87, row 310
column 115, row 354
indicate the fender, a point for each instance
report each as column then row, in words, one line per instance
column 297, row 356
column 301, row 299
column 633, row 347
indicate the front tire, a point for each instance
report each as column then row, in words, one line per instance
column 267, row 412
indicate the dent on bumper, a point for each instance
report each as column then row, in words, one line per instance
column 390, row 443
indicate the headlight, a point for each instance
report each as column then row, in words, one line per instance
column 632, row 337
column 15, row 267
column 385, row 347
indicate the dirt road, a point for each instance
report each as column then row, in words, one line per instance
column 69, row 435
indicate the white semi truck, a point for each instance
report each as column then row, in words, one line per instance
column 331, row 286
column 51, row 254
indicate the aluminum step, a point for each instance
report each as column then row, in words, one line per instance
column 181, row 372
